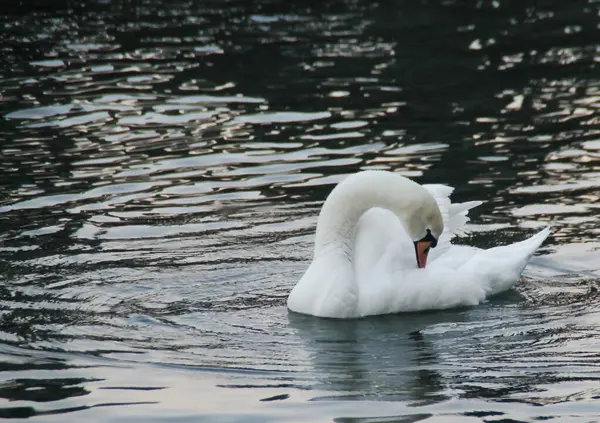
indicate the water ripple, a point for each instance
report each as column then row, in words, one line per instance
column 162, row 174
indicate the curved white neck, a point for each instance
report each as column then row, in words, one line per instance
column 351, row 198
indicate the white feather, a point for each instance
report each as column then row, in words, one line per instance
column 365, row 261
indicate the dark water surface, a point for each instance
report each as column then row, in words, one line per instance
column 163, row 163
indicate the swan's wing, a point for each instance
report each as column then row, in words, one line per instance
column 465, row 276
column 455, row 214
column 388, row 280
column 455, row 217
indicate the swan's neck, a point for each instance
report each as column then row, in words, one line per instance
column 351, row 198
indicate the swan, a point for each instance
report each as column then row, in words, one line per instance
column 382, row 245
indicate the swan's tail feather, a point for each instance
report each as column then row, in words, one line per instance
column 503, row 265
column 528, row 246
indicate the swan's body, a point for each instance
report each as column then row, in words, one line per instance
column 364, row 259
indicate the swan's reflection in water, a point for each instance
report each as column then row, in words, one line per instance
column 384, row 358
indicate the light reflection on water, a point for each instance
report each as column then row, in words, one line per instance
column 162, row 170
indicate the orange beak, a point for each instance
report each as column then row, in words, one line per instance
column 421, row 250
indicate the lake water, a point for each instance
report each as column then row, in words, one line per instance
column 163, row 163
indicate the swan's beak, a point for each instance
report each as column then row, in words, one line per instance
column 421, row 250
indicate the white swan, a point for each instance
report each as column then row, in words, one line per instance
column 372, row 253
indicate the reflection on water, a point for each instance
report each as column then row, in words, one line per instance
column 163, row 166
column 383, row 358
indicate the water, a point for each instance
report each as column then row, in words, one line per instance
column 163, row 165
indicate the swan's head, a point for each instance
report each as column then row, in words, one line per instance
column 425, row 226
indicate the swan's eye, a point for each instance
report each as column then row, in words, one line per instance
column 430, row 238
